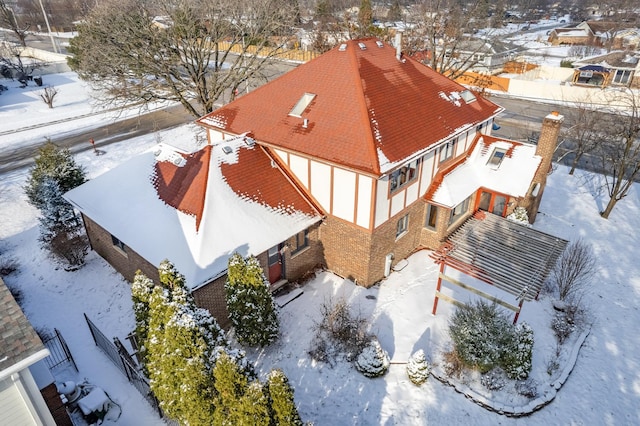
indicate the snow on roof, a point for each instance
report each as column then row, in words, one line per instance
column 126, row 203
column 512, row 176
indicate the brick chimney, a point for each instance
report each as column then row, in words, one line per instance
column 547, row 143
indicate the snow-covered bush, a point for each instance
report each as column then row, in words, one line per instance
column 252, row 310
column 528, row 388
column 494, row 379
column 480, row 332
column 373, row 361
column 418, row 368
column 485, row 338
column 562, row 325
column 516, row 359
column 339, row 332
column 520, row 216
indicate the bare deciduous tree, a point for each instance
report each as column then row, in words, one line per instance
column 583, row 136
column 48, row 94
column 619, row 150
column 574, row 271
column 137, row 51
column 444, row 29
column 11, row 58
column 8, row 19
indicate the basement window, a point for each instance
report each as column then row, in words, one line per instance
column 497, row 157
column 302, row 104
column 119, row 245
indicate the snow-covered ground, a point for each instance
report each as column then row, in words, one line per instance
column 604, row 387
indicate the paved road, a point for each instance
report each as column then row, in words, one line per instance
column 121, row 130
column 103, row 135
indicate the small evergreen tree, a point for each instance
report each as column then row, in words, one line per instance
column 55, row 163
column 365, row 17
column 60, row 230
column 417, row 368
column 181, row 343
column 281, row 402
column 517, row 358
column 230, row 385
column 54, row 173
column 373, row 361
column 395, row 12
column 141, row 290
column 252, row 310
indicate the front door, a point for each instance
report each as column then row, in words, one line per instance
column 275, row 264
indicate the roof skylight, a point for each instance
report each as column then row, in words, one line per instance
column 302, row 104
column 496, row 157
column 468, row 96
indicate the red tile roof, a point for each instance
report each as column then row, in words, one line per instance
column 252, row 176
column 366, row 100
column 184, row 187
column 255, row 177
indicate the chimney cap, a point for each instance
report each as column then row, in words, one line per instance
column 555, row 115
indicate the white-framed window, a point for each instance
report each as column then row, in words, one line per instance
column 622, row 76
column 402, row 226
column 118, row 244
column 497, row 156
column 448, row 150
column 404, row 175
column 432, row 217
column 301, row 241
column 459, row 210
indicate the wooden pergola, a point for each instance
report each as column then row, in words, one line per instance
column 512, row 257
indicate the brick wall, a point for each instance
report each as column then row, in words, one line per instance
column 56, row 407
column 359, row 254
column 212, row 298
column 299, row 264
column 126, row 263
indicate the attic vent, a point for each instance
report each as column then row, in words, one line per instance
column 343, row 47
column 379, row 43
column 302, row 104
column 468, row 96
column 249, row 141
column 362, row 46
column 227, row 149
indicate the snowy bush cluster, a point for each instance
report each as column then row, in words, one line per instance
column 339, row 333
column 484, row 338
column 342, row 335
column 520, row 216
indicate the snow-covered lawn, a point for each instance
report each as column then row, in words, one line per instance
column 604, row 387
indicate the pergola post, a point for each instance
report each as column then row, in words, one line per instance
column 438, row 285
column 515, row 318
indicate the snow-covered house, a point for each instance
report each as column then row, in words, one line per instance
column 618, row 68
column 21, row 351
column 595, row 33
column 351, row 161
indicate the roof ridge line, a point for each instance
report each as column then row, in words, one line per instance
column 363, row 105
column 200, row 216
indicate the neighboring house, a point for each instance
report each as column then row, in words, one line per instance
column 484, row 56
column 351, row 161
column 21, row 402
column 620, row 68
column 596, row 33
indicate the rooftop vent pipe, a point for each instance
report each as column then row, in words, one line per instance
column 305, row 123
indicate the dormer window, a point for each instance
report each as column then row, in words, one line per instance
column 496, row 157
column 302, row 104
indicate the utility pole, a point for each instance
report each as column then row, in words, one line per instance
column 46, row 20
